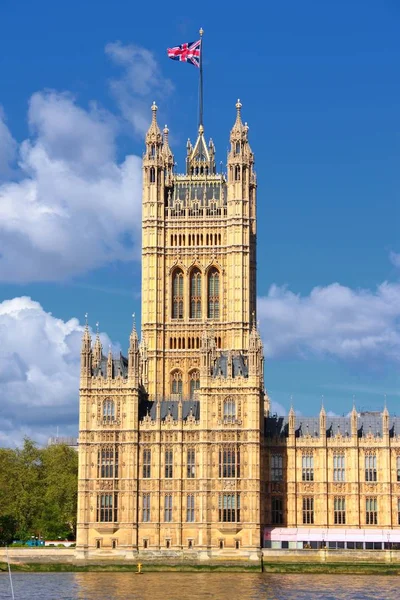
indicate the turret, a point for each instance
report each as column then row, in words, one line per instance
column 134, row 355
column 385, row 422
column 97, row 349
column 322, row 422
column 292, row 421
column 86, row 352
column 110, row 364
column 168, row 158
column 354, row 423
column 153, row 159
column 240, row 158
column 255, row 351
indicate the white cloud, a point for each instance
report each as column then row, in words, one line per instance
column 333, row 320
column 39, row 372
column 74, row 208
column 395, row 259
column 8, row 148
column 140, row 83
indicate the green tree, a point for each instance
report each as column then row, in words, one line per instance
column 38, row 490
column 8, row 529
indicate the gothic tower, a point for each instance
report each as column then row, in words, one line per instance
column 171, row 437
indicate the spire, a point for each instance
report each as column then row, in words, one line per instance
column 153, row 135
column 133, row 339
column 353, row 419
column 98, row 348
column 110, row 363
column 239, row 131
column 86, row 338
column 292, row 418
column 86, row 351
column 166, row 149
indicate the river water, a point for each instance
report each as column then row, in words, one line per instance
column 179, row 586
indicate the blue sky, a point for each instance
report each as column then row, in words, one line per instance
column 319, row 83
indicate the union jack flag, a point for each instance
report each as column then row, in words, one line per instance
column 189, row 52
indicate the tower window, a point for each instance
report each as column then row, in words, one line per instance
column 152, row 175
column 108, row 411
column 371, row 511
column 307, row 464
column 213, row 294
column 195, row 294
column 277, row 510
column 107, row 508
column 339, row 511
column 194, row 382
column 177, row 295
column 237, row 148
column 370, row 468
column 191, row 464
column 168, row 511
column 229, row 409
column 107, row 462
column 176, row 382
column 308, row 511
column 190, row 508
column 169, row 457
column 153, row 150
column 229, row 462
column 229, row 508
column 146, row 463
column 237, row 173
column 276, row 467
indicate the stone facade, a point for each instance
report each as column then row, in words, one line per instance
column 171, row 436
column 178, row 451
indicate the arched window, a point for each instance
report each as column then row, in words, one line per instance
column 195, row 294
column 176, row 382
column 153, row 150
column 237, row 173
column 108, row 410
column 152, row 175
column 194, row 382
column 237, row 148
column 213, row 294
column 229, row 409
column 177, row 295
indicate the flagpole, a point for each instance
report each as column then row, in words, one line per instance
column 201, row 79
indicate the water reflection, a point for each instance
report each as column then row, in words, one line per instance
column 178, row 586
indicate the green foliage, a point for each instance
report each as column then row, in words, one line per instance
column 8, row 529
column 38, row 491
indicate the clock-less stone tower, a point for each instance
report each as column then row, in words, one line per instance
column 171, row 436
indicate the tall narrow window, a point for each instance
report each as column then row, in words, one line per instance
column 237, row 173
column 176, row 382
column 152, row 175
column 108, row 411
column 213, row 294
column 339, row 467
column 371, row 511
column 307, row 463
column 191, row 463
column 107, row 462
column 107, row 508
column 169, row 463
column 276, row 467
column 277, row 510
column 229, row 462
column 146, row 508
column 190, row 508
column 194, row 382
column 229, row 409
column 308, row 511
column 398, row 511
column 229, row 508
column 146, row 463
column 177, row 295
column 370, row 468
column 398, row 468
column 195, row 294
column 168, row 508
column 237, row 148
column 339, row 511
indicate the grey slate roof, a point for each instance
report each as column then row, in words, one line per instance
column 239, row 367
column 170, row 407
column 367, row 423
column 119, row 365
